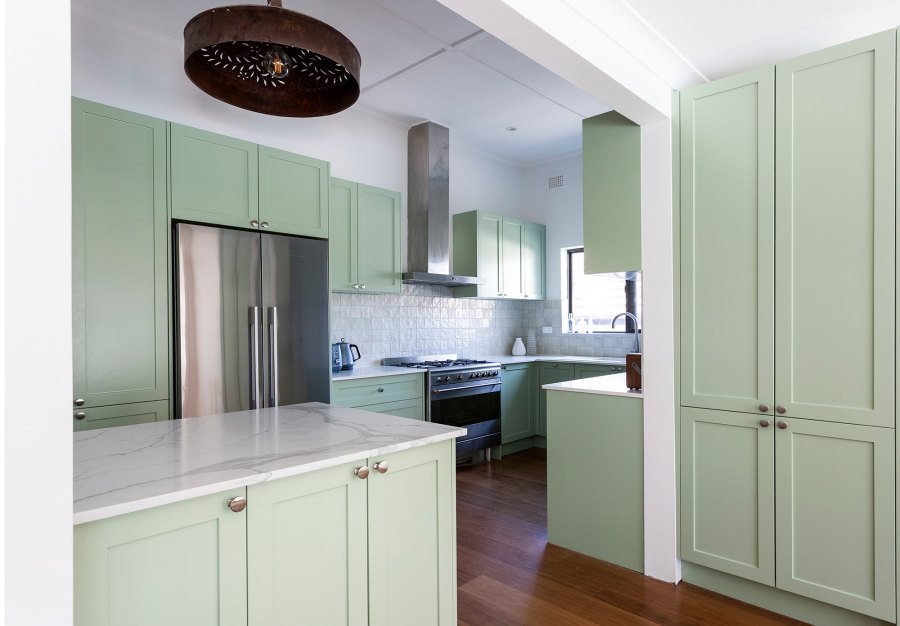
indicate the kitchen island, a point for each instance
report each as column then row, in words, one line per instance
column 311, row 513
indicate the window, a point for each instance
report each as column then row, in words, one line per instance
column 593, row 300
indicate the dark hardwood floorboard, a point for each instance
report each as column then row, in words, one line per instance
column 508, row 575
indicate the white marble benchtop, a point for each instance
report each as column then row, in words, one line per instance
column 131, row 468
column 372, row 371
column 612, row 385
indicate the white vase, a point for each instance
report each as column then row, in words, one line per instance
column 518, row 347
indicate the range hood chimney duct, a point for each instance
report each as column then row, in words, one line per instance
column 428, row 205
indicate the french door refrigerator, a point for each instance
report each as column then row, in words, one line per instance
column 252, row 320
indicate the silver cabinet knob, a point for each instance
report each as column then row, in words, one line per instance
column 381, row 467
column 356, row 286
column 781, row 409
column 781, row 425
column 237, row 504
column 80, row 415
column 361, row 472
column 526, row 295
column 362, row 286
column 763, row 408
column 254, row 223
column 764, row 423
column 265, row 224
column 381, row 390
column 556, row 365
column 79, row 402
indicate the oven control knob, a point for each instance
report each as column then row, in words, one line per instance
column 459, row 377
column 471, row 376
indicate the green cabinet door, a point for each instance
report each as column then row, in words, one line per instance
column 835, row 112
column 516, row 409
column 182, row 564
column 293, row 193
column 307, row 549
column 590, row 371
column 835, row 514
column 728, row 493
column 550, row 373
column 120, row 310
column 534, row 261
column 412, row 538
column 379, row 239
column 214, row 178
column 512, row 243
column 727, row 243
column 343, row 235
column 120, row 415
column 413, row 408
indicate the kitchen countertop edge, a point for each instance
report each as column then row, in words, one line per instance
column 373, row 371
column 612, row 385
column 505, row 359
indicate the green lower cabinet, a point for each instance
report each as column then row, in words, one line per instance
column 412, row 537
column 402, row 395
column 182, row 564
column 590, row 371
column 595, row 476
column 516, row 408
column 413, row 409
column 550, row 373
column 120, row 415
column 307, row 549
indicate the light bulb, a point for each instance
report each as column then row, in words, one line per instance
column 277, row 63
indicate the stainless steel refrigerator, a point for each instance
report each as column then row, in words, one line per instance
column 252, row 320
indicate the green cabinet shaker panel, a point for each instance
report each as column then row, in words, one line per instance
column 379, row 239
column 611, row 145
column 516, row 408
column 727, row 243
column 727, row 493
column 214, row 178
column 182, row 564
column 550, row 373
column 534, row 262
column 293, row 193
column 511, row 257
column 595, row 476
column 413, row 408
column 342, row 243
column 835, row 507
column 835, row 112
column 88, row 418
column 120, row 310
column 307, row 549
column 412, row 538
column 583, row 370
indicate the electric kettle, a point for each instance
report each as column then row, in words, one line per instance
column 336, row 358
column 346, row 350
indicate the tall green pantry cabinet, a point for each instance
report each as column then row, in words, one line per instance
column 787, row 276
column 119, row 267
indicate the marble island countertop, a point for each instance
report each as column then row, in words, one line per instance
column 612, row 385
column 131, row 468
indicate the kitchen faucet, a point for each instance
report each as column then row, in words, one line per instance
column 637, row 336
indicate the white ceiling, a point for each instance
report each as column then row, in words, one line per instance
column 421, row 61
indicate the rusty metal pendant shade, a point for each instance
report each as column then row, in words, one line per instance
column 271, row 60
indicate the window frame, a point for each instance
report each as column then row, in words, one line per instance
column 629, row 323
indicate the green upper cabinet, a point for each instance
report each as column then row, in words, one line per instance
column 181, row 564
column 835, row 182
column 214, row 178
column 727, row 243
column 516, row 407
column 534, row 263
column 364, row 245
column 120, row 309
column 508, row 254
column 611, row 145
column 293, row 193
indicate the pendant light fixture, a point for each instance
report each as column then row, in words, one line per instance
column 271, row 60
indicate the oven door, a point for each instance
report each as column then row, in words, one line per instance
column 467, row 405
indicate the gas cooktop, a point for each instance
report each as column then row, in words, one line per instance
column 443, row 361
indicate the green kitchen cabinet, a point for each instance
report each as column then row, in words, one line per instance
column 549, row 373
column 806, row 506
column 364, row 244
column 293, row 193
column 611, row 145
column 402, row 395
column 307, row 549
column 584, row 370
column 595, row 476
column 534, row 261
column 214, row 178
column 120, row 301
column 835, row 233
column 516, row 408
column 727, row 243
column 181, row 564
column 88, row 418
column 508, row 254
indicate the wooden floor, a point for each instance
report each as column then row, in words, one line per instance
column 508, row 574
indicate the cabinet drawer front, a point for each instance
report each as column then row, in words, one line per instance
column 121, row 415
column 413, row 409
column 365, row 392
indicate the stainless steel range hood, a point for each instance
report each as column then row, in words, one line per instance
column 428, row 207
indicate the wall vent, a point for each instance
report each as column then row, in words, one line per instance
column 554, row 182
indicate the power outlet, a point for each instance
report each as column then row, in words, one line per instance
column 547, row 330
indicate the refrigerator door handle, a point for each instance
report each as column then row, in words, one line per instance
column 254, row 356
column 273, row 356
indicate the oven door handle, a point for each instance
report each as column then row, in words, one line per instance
column 496, row 384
